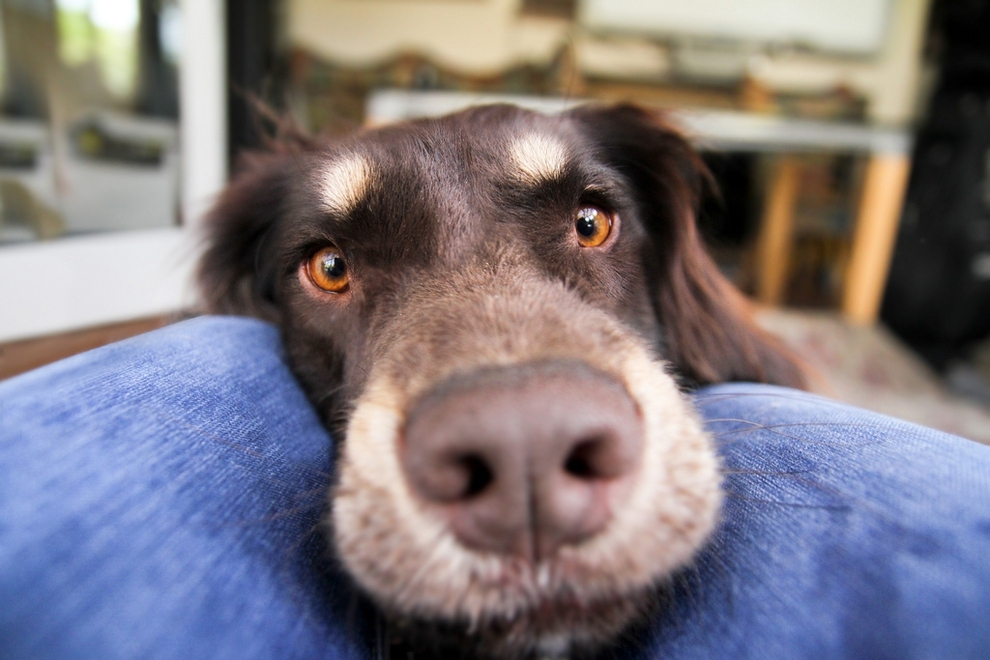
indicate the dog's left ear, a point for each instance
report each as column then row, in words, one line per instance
column 709, row 334
column 237, row 269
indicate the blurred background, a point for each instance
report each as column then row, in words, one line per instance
column 850, row 140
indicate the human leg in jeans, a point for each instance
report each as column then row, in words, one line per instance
column 162, row 497
column 845, row 534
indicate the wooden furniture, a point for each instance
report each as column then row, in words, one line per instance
column 888, row 152
column 887, row 149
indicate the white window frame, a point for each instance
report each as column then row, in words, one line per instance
column 47, row 287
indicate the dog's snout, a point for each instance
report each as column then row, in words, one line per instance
column 523, row 460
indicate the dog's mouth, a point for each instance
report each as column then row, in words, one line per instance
column 568, row 617
column 553, row 626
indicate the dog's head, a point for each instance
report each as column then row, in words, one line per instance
column 490, row 309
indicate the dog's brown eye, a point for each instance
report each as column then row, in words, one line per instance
column 327, row 270
column 592, row 225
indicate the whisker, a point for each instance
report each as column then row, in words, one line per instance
column 795, row 396
column 792, row 505
column 206, row 434
column 720, row 437
column 765, row 473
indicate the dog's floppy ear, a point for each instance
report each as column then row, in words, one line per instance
column 237, row 271
column 709, row 334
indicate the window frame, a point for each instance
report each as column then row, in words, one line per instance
column 48, row 287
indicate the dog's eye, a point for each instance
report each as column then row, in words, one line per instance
column 327, row 270
column 592, row 225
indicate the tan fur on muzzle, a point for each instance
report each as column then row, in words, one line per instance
column 407, row 558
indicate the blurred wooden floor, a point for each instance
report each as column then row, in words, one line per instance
column 20, row 356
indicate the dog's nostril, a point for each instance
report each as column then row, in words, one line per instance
column 479, row 475
column 579, row 462
column 603, row 457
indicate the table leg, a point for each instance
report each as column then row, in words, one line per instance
column 776, row 237
column 873, row 241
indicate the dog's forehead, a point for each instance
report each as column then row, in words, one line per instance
column 484, row 145
column 431, row 189
column 343, row 182
column 537, row 156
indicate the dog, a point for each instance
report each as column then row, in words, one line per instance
column 497, row 314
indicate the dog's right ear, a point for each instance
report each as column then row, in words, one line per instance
column 237, row 272
column 710, row 336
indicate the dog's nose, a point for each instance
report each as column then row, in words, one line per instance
column 524, row 459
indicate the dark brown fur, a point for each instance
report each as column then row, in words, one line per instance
column 705, row 328
column 444, row 230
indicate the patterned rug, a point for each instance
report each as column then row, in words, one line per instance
column 869, row 367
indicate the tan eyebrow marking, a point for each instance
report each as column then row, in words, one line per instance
column 345, row 183
column 538, row 157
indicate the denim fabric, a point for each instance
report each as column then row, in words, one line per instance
column 161, row 498
column 845, row 534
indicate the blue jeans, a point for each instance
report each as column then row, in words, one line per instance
column 161, row 498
